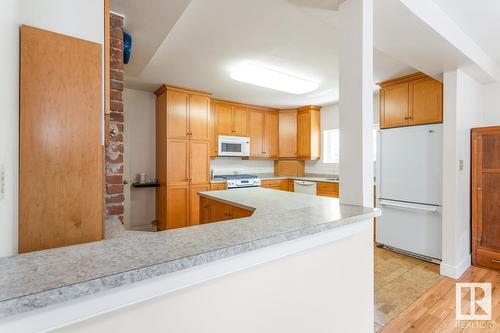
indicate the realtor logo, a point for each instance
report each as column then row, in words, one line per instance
column 479, row 300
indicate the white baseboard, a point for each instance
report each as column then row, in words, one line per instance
column 455, row 272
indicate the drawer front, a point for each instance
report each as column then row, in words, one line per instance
column 487, row 259
column 217, row 186
column 327, row 189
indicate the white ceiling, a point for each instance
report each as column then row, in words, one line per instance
column 298, row 37
column 478, row 19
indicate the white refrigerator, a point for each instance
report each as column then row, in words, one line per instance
column 409, row 178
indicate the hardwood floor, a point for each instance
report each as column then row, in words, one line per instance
column 434, row 311
column 399, row 281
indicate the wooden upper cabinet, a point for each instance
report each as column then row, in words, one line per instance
column 308, row 133
column 271, row 134
column 426, row 101
column 199, row 117
column 256, row 120
column 287, row 133
column 178, row 114
column 223, row 118
column 239, row 121
column 394, row 101
column 213, row 132
column 486, row 197
column 415, row 99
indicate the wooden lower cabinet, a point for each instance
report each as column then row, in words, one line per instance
column 216, row 211
column 217, row 186
column 194, row 203
column 327, row 189
column 276, row 184
column 177, row 207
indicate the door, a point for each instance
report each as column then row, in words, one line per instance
column 239, row 121
column 256, row 121
column 411, row 163
column 270, row 134
column 178, row 206
column 194, row 204
column 288, row 133
column 394, row 105
column 178, row 162
column 178, row 114
column 61, row 152
column 199, row 117
column 486, row 194
column 223, row 119
column 199, row 162
column 426, row 101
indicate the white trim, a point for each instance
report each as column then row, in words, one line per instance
column 455, row 272
column 74, row 311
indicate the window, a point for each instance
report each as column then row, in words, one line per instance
column 331, row 146
column 331, row 143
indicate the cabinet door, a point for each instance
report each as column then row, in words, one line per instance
column 256, row 132
column 271, row 134
column 303, row 134
column 178, row 162
column 194, row 204
column 219, row 211
column 199, row 117
column 200, row 162
column 177, row 114
column 239, row 121
column 213, row 132
column 394, row 104
column 237, row 212
column 287, row 133
column 426, row 101
column 177, row 207
column 223, row 119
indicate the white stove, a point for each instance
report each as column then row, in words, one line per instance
column 240, row 181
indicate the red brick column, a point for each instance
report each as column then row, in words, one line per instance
column 114, row 152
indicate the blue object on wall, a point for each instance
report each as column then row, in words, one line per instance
column 127, row 47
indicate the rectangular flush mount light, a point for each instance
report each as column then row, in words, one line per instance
column 268, row 78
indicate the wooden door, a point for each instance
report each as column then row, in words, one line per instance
column 178, row 206
column 61, row 175
column 287, row 133
column 213, row 133
column 486, row 197
column 161, row 160
column 199, row 162
column 199, row 117
column 271, row 134
column 426, row 101
column 223, row 119
column 178, row 162
column 239, row 121
column 177, row 114
column 394, row 105
column 256, row 132
column 194, row 204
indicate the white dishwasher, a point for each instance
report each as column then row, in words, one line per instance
column 303, row 186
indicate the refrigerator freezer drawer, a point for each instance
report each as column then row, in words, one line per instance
column 410, row 227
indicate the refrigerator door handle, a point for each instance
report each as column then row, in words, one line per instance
column 407, row 205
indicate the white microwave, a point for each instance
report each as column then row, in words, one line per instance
column 234, row 146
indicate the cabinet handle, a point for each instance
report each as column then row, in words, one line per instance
column 495, row 261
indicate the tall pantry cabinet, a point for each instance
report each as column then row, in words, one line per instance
column 182, row 155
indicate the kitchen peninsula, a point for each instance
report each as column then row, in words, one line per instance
column 297, row 232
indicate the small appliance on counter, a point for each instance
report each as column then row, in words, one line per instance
column 240, row 181
column 236, row 146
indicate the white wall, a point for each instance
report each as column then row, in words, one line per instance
column 462, row 111
column 490, row 110
column 330, row 120
column 79, row 18
column 139, row 154
column 304, row 292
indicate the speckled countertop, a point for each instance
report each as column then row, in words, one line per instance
column 308, row 176
column 38, row 279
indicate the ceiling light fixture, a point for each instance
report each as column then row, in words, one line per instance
column 268, row 78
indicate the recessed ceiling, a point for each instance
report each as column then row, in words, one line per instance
column 296, row 37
